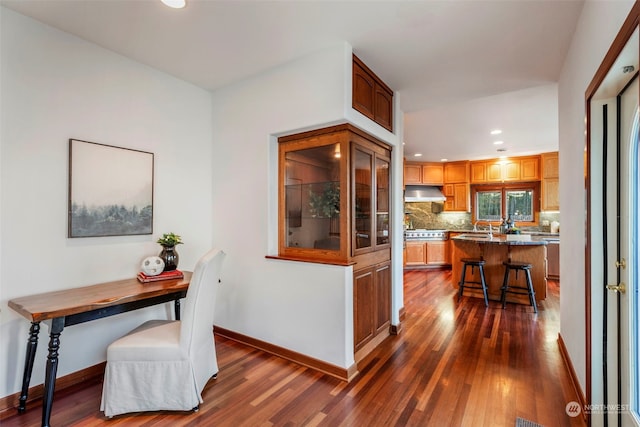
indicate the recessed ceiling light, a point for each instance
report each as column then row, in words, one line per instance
column 417, row 155
column 176, row 4
column 498, row 142
column 443, row 160
column 496, row 132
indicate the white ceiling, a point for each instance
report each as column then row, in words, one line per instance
column 461, row 68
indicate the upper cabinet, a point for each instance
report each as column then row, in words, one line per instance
column 505, row 170
column 456, row 172
column 550, row 198
column 371, row 96
column 334, row 195
column 423, row 174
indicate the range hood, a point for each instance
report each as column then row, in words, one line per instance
column 423, row 193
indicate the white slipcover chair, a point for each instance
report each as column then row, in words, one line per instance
column 165, row 364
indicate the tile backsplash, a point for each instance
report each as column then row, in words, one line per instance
column 421, row 215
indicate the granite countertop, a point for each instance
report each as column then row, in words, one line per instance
column 500, row 239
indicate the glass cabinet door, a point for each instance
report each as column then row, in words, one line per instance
column 312, row 198
column 362, row 179
column 382, row 201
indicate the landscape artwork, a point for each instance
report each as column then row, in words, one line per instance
column 110, row 190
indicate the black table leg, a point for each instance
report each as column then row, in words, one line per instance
column 56, row 327
column 177, row 308
column 32, row 345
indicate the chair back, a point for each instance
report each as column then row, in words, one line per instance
column 196, row 329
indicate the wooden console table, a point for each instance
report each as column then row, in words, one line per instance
column 78, row 305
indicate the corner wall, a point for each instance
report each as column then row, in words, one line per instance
column 599, row 23
column 54, row 87
column 304, row 307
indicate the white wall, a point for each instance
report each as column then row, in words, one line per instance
column 304, row 307
column 599, row 23
column 54, row 87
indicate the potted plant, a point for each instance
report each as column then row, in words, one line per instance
column 169, row 241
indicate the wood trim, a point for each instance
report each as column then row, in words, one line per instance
column 628, row 27
column 403, row 314
column 572, row 374
column 10, row 403
column 335, row 371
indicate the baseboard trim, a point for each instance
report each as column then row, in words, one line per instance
column 10, row 403
column 344, row 374
column 572, row 375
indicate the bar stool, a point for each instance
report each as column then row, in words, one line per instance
column 482, row 284
column 518, row 290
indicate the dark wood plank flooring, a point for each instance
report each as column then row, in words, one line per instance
column 454, row 364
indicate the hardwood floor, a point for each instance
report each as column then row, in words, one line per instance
column 454, row 364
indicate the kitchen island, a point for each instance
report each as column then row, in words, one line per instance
column 494, row 250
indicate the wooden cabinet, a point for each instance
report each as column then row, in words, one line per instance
column 371, row 96
column 458, row 197
column 550, row 191
column 372, row 303
column 437, row 252
column 412, row 174
column 553, row 260
column 423, row 174
column 512, row 170
column 432, row 174
column 422, row 253
column 416, row 253
column 456, row 172
column 530, row 168
column 334, row 207
column 550, row 167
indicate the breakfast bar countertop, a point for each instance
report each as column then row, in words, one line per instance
column 500, row 239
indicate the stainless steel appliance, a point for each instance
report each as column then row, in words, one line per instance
column 422, row 234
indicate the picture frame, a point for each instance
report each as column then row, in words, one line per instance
column 110, row 190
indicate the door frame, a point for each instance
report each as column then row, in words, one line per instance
column 626, row 31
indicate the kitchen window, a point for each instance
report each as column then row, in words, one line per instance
column 518, row 201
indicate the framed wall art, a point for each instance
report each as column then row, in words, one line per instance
column 110, row 190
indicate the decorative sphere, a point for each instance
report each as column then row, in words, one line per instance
column 152, row 266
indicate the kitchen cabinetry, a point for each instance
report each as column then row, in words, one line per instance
column 456, row 172
column 437, row 252
column 456, row 186
column 423, row 174
column 422, row 253
column 334, row 208
column 416, row 253
column 371, row 96
column 372, row 303
column 553, row 260
column 512, row 170
column 412, row 174
column 458, row 198
column 550, row 182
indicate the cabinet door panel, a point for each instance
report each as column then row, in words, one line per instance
column 478, row 172
column 415, row 253
column 550, row 194
column 412, row 174
column 363, row 91
column 436, row 252
column 432, row 174
column 494, row 172
column 383, row 108
column 530, row 169
column 363, row 305
column 383, row 297
column 461, row 197
column 550, row 165
column 512, row 171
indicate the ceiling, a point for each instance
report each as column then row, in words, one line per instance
column 461, row 68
